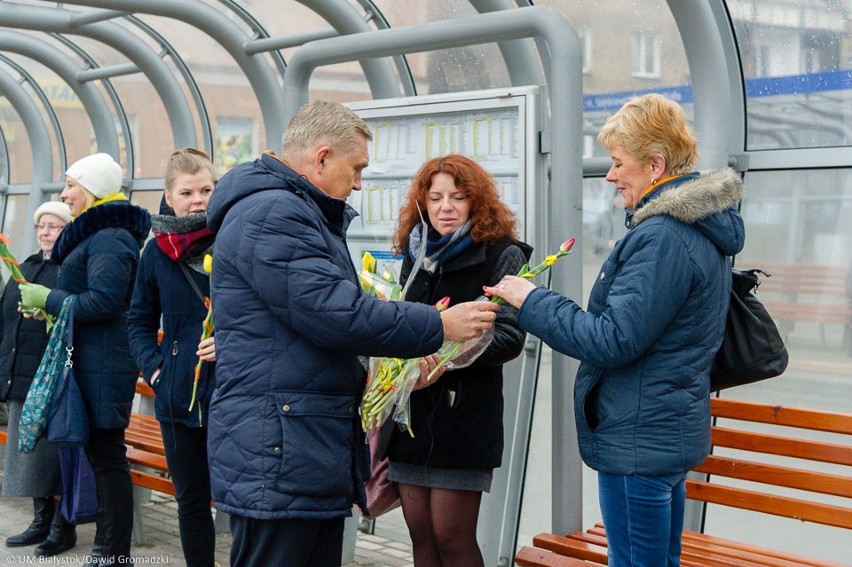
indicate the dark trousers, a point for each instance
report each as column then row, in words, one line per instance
column 108, row 457
column 186, row 453
column 295, row 543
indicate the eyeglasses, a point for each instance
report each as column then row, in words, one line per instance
column 49, row 227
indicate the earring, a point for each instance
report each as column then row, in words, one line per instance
column 653, row 180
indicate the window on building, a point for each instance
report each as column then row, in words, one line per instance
column 646, row 55
column 586, row 44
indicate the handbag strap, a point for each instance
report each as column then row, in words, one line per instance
column 191, row 281
column 69, row 336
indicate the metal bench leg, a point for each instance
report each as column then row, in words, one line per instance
column 222, row 522
column 138, row 525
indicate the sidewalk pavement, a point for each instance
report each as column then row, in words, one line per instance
column 389, row 546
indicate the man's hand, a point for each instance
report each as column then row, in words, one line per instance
column 468, row 320
column 34, row 295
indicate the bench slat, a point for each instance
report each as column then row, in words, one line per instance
column 571, row 546
column 147, row 459
column 772, row 557
column 782, row 415
column 532, row 557
column 776, row 445
column 812, row 481
column 770, row 504
column 152, row 481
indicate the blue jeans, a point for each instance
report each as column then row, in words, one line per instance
column 643, row 516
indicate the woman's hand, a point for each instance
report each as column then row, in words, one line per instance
column 427, row 365
column 511, row 288
column 207, row 350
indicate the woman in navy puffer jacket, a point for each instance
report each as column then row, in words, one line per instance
column 654, row 323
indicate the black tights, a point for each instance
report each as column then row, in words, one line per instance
column 442, row 525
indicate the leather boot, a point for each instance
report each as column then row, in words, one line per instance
column 43, row 509
column 63, row 536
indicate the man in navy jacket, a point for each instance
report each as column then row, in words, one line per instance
column 287, row 454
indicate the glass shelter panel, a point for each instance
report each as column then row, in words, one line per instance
column 797, row 63
column 474, row 67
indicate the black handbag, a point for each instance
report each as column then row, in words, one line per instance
column 752, row 348
column 67, row 419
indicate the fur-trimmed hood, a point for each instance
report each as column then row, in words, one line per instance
column 707, row 200
column 118, row 214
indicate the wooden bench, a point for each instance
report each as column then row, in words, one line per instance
column 804, row 293
column 745, row 455
column 145, row 448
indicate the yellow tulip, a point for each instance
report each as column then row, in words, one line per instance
column 208, row 263
column 368, row 263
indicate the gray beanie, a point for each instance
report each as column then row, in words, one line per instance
column 98, row 174
column 55, row 208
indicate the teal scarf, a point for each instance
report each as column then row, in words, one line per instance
column 37, row 404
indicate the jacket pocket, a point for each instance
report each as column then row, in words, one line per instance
column 600, row 290
column 591, row 399
column 317, row 443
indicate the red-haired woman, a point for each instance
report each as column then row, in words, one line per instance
column 458, row 420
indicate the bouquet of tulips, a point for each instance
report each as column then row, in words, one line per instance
column 206, row 333
column 391, row 380
column 15, row 269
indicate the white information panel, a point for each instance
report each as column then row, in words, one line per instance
column 498, row 129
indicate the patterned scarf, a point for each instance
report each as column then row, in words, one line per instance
column 37, row 404
column 439, row 249
column 184, row 239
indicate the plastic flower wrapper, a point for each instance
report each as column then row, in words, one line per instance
column 389, row 386
column 206, row 333
column 15, row 270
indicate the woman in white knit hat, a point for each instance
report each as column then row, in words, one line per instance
column 22, row 344
column 99, row 254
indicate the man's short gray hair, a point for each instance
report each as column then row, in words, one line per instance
column 324, row 122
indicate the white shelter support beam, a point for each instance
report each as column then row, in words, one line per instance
column 565, row 196
column 716, row 75
column 67, row 69
column 523, row 64
column 378, row 72
column 58, row 21
column 39, row 138
column 231, row 37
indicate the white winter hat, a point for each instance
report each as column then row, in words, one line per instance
column 98, row 174
column 55, row 208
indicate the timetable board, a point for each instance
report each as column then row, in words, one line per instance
column 497, row 128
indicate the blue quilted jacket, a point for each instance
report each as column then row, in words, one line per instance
column 653, row 326
column 284, row 437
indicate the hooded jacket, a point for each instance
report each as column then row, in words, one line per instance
column 284, row 437
column 654, row 323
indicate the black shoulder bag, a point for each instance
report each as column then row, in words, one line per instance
column 752, row 348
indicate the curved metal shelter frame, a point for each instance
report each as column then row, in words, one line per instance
column 359, row 32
